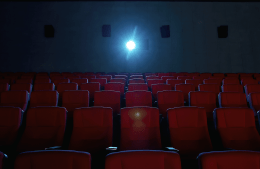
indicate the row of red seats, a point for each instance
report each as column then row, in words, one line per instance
column 140, row 129
column 72, row 99
column 135, row 159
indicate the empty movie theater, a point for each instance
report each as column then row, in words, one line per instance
column 129, row 84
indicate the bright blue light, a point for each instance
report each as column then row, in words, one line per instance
column 130, row 45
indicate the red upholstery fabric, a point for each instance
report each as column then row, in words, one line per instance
column 10, row 121
column 164, row 78
column 189, row 131
column 44, row 98
column 102, row 81
column 212, row 81
column 252, row 88
column 92, row 87
column 229, row 159
column 140, row 129
column 73, row 77
column 136, row 81
column 18, row 81
column 108, row 98
column 237, row 129
column 210, row 88
column 230, row 81
column 22, row 86
column 218, row 75
column 120, row 80
column 108, row 77
column 57, row 81
column 248, row 81
column 173, row 82
column 163, row 74
column 43, row 86
column 79, row 81
column 206, row 100
column 246, row 75
column 73, row 99
column 195, row 82
column 232, row 99
column 4, row 87
column 6, row 81
column 138, row 98
column 206, row 75
column 15, row 99
column 116, row 86
column 42, row 81
column 143, row 160
column 92, row 129
column 136, row 77
column 185, row 88
column 232, row 88
column 45, row 127
column 254, row 102
column 153, row 81
column 183, row 77
column 159, row 87
column 53, row 160
column 61, row 87
column 199, row 77
column 137, row 86
column 152, row 77
column 169, row 99
column 232, row 75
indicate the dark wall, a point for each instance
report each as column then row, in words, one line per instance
column 78, row 44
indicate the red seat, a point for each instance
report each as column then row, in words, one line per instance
column 163, row 74
column 154, row 81
column 206, row 100
column 73, row 99
column 206, row 75
column 53, row 159
column 92, row 87
column 136, row 77
column 140, row 129
column 195, row 82
column 232, row 99
column 45, row 127
column 152, row 77
column 185, row 88
column 44, row 86
column 137, row 86
column 183, row 77
column 10, row 122
column 237, row 129
column 15, row 99
column 159, row 87
column 136, row 81
column 42, row 81
column 230, row 81
column 210, row 88
column 252, row 88
column 79, row 81
column 138, row 98
column 92, row 129
column 219, row 75
column 189, row 131
column 22, row 86
column 173, row 82
column 229, row 159
column 56, row 82
column 164, row 78
column 232, row 88
column 248, row 81
column 4, row 87
column 246, row 75
column 232, row 75
column 18, row 81
column 198, row 77
column 116, row 86
column 212, row 81
column 101, row 81
column 143, row 160
column 169, row 99
column 108, row 77
column 61, row 87
column 120, row 80
column 73, row 77
column 44, row 98
column 4, row 81
column 108, row 98
column 254, row 102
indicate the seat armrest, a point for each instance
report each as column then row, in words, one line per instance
column 171, row 149
column 111, row 150
column 53, row 148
